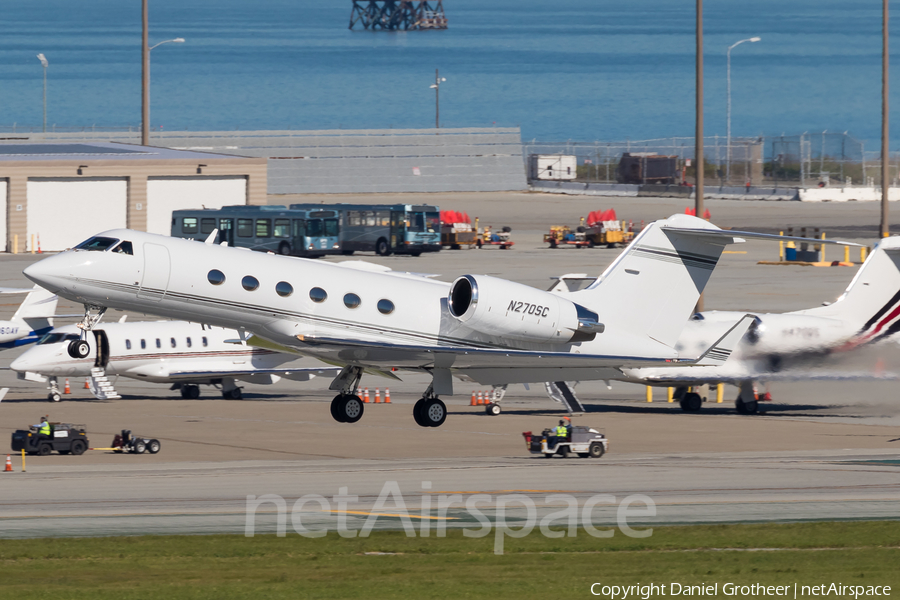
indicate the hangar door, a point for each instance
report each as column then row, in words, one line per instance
column 165, row 194
column 64, row 212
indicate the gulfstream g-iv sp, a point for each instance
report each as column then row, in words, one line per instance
column 478, row 327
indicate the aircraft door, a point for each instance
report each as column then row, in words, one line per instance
column 102, row 349
column 226, row 231
column 157, row 266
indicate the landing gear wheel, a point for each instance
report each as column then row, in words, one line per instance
column 234, row 394
column 492, row 409
column 139, row 447
column 349, row 408
column 417, row 413
column 54, row 397
column 596, row 450
column 78, row 447
column 44, row 449
column 382, row 248
column 191, row 392
column 746, row 408
column 430, row 412
column 691, row 402
column 336, row 408
column 153, row 446
column 79, row 349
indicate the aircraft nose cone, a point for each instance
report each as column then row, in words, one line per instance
column 20, row 364
column 42, row 273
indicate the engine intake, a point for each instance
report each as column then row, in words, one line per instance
column 505, row 309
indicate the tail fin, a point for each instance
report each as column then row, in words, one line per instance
column 871, row 303
column 38, row 309
column 653, row 286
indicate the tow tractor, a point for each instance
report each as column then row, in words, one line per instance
column 491, row 238
column 457, row 230
column 599, row 228
column 586, row 442
column 64, row 438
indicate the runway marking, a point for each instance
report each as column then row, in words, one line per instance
column 509, row 491
column 734, row 252
column 379, row 514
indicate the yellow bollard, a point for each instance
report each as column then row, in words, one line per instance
column 720, row 393
column 649, row 394
column 32, row 243
column 781, row 248
column 822, row 249
column 670, row 394
column 862, row 254
column 23, row 460
column 846, row 254
column 16, row 244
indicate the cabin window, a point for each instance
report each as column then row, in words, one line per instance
column 317, row 294
column 351, row 300
column 216, row 277
column 188, row 342
column 124, row 248
column 143, row 344
column 245, row 228
column 250, row 283
column 97, row 244
column 158, row 343
column 128, row 344
column 205, row 343
column 189, row 225
column 263, row 228
column 385, row 307
column 284, row 289
column 282, row 228
column 173, row 342
column 207, row 225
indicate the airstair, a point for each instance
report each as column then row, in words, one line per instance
column 562, row 392
column 100, row 385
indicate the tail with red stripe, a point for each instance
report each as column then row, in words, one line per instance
column 871, row 303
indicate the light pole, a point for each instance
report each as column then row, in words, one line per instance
column 728, row 125
column 44, row 64
column 145, row 79
column 436, row 86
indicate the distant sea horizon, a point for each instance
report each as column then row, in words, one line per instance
column 583, row 70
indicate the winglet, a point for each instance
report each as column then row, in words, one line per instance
column 212, row 237
column 722, row 348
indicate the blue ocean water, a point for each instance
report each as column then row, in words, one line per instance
column 572, row 70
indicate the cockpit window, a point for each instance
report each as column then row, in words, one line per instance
column 97, row 244
column 53, row 338
column 124, row 248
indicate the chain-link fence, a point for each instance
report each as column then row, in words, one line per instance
column 802, row 160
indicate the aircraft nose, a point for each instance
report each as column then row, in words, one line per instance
column 44, row 273
column 20, row 364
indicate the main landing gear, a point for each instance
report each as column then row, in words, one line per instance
column 80, row 348
column 429, row 411
column 348, row 407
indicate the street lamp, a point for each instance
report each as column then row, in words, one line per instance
column 728, row 125
column 436, row 86
column 44, row 64
column 145, row 126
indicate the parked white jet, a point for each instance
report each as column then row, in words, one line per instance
column 479, row 328
column 186, row 355
column 31, row 321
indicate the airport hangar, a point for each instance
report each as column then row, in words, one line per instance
column 58, row 194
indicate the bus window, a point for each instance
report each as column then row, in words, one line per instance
column 354, row 218
column 432, row 222
column 282, row 228
column 370, row 218
column 245, row 228
column 263, row 228
column 383, row 218
column 189, row 225
column 417, row 222
column 299, row 228
column 314, row 228
column 331, row 228
column 207, row 225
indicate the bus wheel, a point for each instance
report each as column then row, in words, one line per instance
column 382, row 248
column 284, row 249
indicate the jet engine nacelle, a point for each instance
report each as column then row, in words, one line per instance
column 511, row 310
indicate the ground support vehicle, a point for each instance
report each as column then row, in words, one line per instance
column 457, row 235
column 586, row 442
column 587, row 237
column 64, row 438
column 135, row 444
column 491, row 238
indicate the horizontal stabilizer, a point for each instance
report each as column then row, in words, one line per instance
column 741, row 235
column 719, row 352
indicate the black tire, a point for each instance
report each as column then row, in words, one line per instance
column 284, row 249
column 591, row 244
column 584, row 455
column 580, row 229
column 78, row 447
column 553, row 243
column 417, row 413
column 139, row 446
column 44, row 449
column 433, row 412
column 479, row 244
column 382, row 248
column 183, row 392
column 507, row 230
column 153, row 446
column 548, row 455
column 191, row 392
column 492, row 409
column 596, row 450
column 746, row 408
column 335, row 408
column 562, row 450
column 54, row 397
column 79, row 349
column 351, row 408
column 63, row 452
column 691, row 402
column 234, row 394
column 347, row 252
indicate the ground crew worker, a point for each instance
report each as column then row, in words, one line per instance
column 568, row 428
column 43, row 428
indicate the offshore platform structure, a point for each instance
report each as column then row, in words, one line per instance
column 391, row 15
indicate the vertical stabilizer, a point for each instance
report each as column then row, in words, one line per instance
column 37, row 309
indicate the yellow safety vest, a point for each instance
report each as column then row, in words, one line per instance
column 561, row 431
column 45, row 428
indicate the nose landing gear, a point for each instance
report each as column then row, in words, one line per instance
column 80, row 348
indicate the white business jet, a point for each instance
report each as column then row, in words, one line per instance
column 31, row 321
column 186, row 355
column 479, row 328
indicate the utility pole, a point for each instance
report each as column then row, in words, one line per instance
column 145, row 78
column 885, row 156
column 437, row 98
column 698, row 134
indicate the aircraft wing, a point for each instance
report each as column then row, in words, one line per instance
column 741, row 235
column 294, row 374
column 6, row 290
column 736, row 378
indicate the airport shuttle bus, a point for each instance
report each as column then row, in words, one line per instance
column 264, row 228
column 386, row 228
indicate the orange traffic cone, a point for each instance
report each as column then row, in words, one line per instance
column 67, row 389
column 39, row 244
column 377, row 396
column 87, row 386
column 387, row 395
column 473, row 403
column 366, row 395
column 8, row 468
